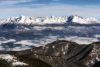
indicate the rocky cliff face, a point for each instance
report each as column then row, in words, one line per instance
column 60, row 53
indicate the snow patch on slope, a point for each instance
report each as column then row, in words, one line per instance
column 12, row 60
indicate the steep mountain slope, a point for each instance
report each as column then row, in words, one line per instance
column 59, row 53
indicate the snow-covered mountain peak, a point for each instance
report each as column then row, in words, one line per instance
column 81, row 20
column 22, row 19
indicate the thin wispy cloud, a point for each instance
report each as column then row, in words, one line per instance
column 12, row 2
column 10, row 8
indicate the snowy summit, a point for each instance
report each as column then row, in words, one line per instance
column 82, row 20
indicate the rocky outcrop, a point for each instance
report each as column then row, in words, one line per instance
column 60, row 53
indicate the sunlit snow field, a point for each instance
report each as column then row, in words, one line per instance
column 36, row 36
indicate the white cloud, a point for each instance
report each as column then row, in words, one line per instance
column 51, row 9
column 12, row 2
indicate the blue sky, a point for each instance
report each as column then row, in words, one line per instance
column 9, row 8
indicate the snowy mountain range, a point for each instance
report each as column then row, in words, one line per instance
column 20, row 38
column 19, row 33
column 49, row 20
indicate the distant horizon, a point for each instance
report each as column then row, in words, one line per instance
column 85, row 8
